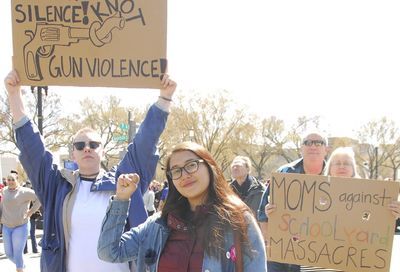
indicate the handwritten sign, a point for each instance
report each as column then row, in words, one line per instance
column 331, row 222
column 108, row 43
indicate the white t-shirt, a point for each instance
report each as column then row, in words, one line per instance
column 148, row 199
column 87, row 215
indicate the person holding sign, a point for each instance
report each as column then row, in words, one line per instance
column 342, row 163
column 75, row 201
column 204, row 226
column 314, row 150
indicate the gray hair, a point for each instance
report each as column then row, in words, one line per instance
column 246, row 161
column 319, row 133
column 348, row 151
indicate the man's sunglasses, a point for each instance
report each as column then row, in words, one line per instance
column 314, row 142
column 81, row 145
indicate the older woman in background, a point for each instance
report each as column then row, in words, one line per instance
column 342, row 163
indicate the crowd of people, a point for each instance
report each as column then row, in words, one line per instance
column 124, row 220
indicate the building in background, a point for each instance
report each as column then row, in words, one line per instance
column 7, row 163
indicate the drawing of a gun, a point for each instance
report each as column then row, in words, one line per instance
column 47, row 36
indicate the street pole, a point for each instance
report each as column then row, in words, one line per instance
column 132, row 127
column 40, row 105
column 376, row 162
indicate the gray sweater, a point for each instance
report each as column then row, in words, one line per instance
column 16, row 206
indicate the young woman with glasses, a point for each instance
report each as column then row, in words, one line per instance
column 203, row 226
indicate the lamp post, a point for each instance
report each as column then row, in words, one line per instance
column 132, row 127
column 40, row 105
column 366, row 170
column 376, row 161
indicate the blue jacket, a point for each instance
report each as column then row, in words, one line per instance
column 55, row 187
column 145, row 243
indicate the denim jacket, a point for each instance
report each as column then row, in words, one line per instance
column 55, row 187
column 144, row 244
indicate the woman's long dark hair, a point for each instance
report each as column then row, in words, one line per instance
column 226, row 208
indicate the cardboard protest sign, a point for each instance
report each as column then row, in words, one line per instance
column 339, row 223
column 108, row 43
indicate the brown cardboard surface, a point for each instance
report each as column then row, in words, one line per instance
column 339, row 223
column 108, row 43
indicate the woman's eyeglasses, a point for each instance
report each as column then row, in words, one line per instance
column 81, row 145
column 190, row 168
column 344, row 164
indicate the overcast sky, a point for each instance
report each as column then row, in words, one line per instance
column 338, row 59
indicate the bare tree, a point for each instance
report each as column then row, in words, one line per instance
column 376, row 145
column 210, row 121
column 51, row 128
column 289, row 145
column 393, row 158
column 259, row 140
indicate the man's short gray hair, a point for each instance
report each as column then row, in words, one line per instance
column 246, row 161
